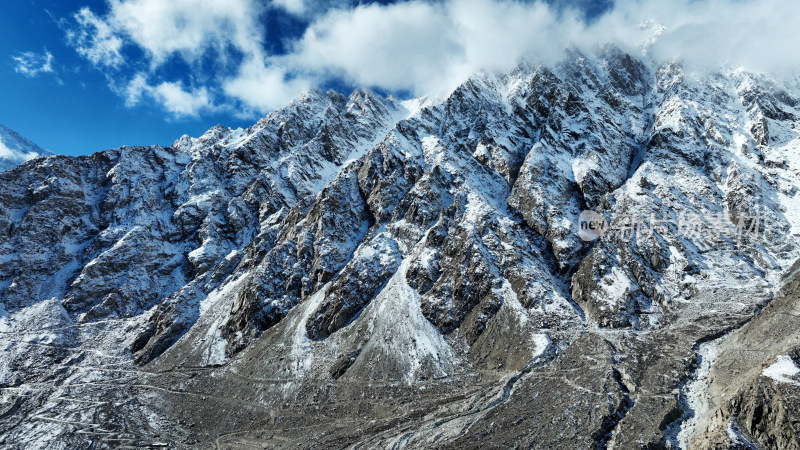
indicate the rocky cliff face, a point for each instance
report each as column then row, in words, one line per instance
column 362, row 271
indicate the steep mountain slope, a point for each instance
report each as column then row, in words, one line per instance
column 15, row 149
column 359, row 271
column 751, row 389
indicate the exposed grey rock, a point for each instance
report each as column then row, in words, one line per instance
column 362, row 278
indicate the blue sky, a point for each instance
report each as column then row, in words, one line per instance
column 72, row 110
column 81, row 76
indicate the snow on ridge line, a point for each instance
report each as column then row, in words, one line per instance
column 16, row 149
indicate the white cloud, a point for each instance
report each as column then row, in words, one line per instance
column 193, row 30
column 430, row 47
column 32, row 64
column 180, row 102
column 422, row 46
column 759, row 35
column 309, row 9
column 135, row 88
column 297, row 7
column 95, row 40
column 404, row 46
column 171, row 95
column 188, row 27
column 163, row 28
column 261, row 87
column 16, row 155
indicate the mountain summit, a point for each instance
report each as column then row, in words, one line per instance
column 597, row 253
column 16, row 149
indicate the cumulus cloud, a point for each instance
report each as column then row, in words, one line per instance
column 136, row 33
column 187, row 27
column 431, row 47
column 171, row 95
column 410, row 45
column 32, row 64
column 261, row 86
column 419, row 46
column 427, row 47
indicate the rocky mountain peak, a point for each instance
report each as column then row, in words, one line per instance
column 425, row 255
column 16, row 149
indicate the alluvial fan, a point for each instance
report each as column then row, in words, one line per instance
column 367, row 272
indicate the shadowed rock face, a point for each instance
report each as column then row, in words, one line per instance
column 370, row 272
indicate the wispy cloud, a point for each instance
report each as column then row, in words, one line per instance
column 32, row 64
column 95, row 39
column 418, row 46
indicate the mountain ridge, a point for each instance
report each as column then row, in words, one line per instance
column 427, row 259
column 16, row 149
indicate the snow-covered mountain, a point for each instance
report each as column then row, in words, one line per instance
column 15, row 149
column 366, row 272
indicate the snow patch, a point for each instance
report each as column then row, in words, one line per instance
column 301, row 354
column 613, row 287
column 511, row 301
column 207, row 304
column 783, row 370
column 696, row 392
column 415, row 105
column 541, row 342
column 431, row 150
column 415, row 344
